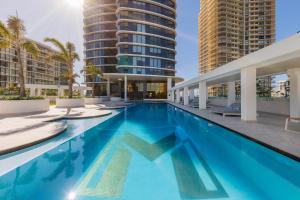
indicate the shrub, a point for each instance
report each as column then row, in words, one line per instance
column 15, row 98
column 74, row 97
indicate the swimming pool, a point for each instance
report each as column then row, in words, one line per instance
column 155, row 151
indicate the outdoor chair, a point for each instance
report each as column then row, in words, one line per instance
column 232, row 110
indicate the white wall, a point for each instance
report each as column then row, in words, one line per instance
column 277, row 106
column 92, row 101
column 69, row 103
column 23, row 106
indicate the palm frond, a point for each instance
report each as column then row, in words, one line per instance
column 16, row 26
column 57, row 56
column 4, row 31
column 31, row 48
column 91, row 70
column 58, row 45
column 71, row 47
column 5, row 36
column 76, row 56
column 4, row 43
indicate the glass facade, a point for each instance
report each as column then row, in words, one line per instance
column 132, row 37
column 146, row 37
column 100, row 34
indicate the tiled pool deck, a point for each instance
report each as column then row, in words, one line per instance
column 268, row 130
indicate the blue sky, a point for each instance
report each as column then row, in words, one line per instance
column 56, row 18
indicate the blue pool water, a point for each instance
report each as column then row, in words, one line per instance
column 155, row 152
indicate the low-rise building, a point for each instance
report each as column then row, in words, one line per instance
column 40, row 70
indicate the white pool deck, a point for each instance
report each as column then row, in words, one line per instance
column 13, row 160
column 18, row 132
column 267, row 130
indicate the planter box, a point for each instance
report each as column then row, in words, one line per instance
column 115, row 99
column 23, row 106
column 69, row 103
column 92, row 101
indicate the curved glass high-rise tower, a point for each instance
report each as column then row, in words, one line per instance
column 133, row 42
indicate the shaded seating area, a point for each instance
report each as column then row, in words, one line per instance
column 246, row 70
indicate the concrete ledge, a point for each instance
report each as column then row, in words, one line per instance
column 23, row 106
column 24, row 139
column 114, row 99
column 92, row 114
column 92, row 101
column 69, row 103
column 276, row 106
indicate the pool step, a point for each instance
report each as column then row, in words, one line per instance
column 192, row 184
column 112, row 181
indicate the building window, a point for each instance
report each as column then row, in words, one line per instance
column 138, row 49
column 141, row 28
column 155, row 62
column 139, row 39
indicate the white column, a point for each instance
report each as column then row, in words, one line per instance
column 192, row 94
column 294, row 77
column 39, row 92
column 177, row 96
column 60, row 92
column 81, row 91
column 186, row 96
column 202, row 95
column 248, row 94
column 108, row 87
column 32, row 92
column 169, row 86
column 125, row 88
column 231, row 93
column 172, row 96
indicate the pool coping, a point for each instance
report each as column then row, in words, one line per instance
column 34, row 142
column 269, row 146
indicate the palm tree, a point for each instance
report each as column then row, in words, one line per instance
column 66, row 162
column 13, row 36
column 67, row 54
column 91, row 70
